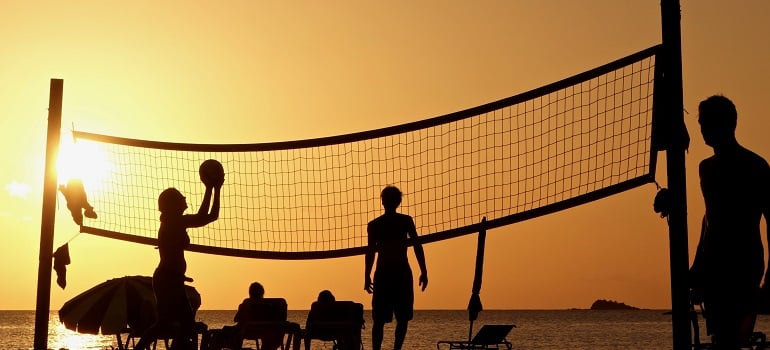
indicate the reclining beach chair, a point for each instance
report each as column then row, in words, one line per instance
column 490, row 336
column 339, row 322
column 271, row 323
column 132, row 337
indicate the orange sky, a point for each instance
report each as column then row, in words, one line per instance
column 260, row 71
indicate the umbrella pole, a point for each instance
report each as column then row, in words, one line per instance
column 474, row 304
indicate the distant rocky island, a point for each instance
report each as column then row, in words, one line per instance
column 603, row 304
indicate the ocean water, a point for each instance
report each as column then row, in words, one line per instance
column 536, row 329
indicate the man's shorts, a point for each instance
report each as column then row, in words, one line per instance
column 393, row 295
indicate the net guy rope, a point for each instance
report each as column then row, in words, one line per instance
column 558, row 146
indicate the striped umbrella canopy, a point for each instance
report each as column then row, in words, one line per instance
column 114, row 305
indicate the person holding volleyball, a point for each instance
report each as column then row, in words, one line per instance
column 175, row 316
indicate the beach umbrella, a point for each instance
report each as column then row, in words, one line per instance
column 114, row 305
column 474, row 304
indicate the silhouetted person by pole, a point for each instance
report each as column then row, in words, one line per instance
column 393, row 287
column 175, row 315
column 729, row 262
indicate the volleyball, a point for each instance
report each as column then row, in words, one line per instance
column 211, row 172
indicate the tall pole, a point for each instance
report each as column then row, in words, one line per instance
column 42, row 310
column 675, row 165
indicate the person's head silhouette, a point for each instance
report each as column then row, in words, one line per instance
column 171, row 202
column 256, row 291
column 718, row 118
column 391, row 197
column 326, row 296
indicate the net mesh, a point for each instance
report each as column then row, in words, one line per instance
column 561, row 145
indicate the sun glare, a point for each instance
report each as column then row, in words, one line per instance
column 66, row 339
column 84, row 161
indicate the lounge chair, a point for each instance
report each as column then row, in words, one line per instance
column 339, row 322
column 271, row 323
column 132, row 337
column 490, row 336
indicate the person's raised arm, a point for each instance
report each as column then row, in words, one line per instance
column 203, row 210
column 204, row 216
column 214, row 213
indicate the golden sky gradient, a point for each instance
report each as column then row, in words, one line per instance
column 261, row 71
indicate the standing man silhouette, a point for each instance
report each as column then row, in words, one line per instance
column 729, row 262
column 393, row 287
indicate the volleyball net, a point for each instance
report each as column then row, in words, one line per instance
column 558, row 146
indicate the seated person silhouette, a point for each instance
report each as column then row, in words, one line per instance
column 246, row 309
column 337, row 321
column 264, row 319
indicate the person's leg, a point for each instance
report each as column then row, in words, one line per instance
column 730, row 333
column 723, row 324
column 401, row 327
column 377, row 333
column 183, row 317
column 161, row 285
column 747, row 315
column 382, row 310
column 746, row 328
column 403, row 311
column 148, row 336
column 735, row 314
column 181, row 343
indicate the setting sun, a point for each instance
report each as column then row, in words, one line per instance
column 82, row 160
